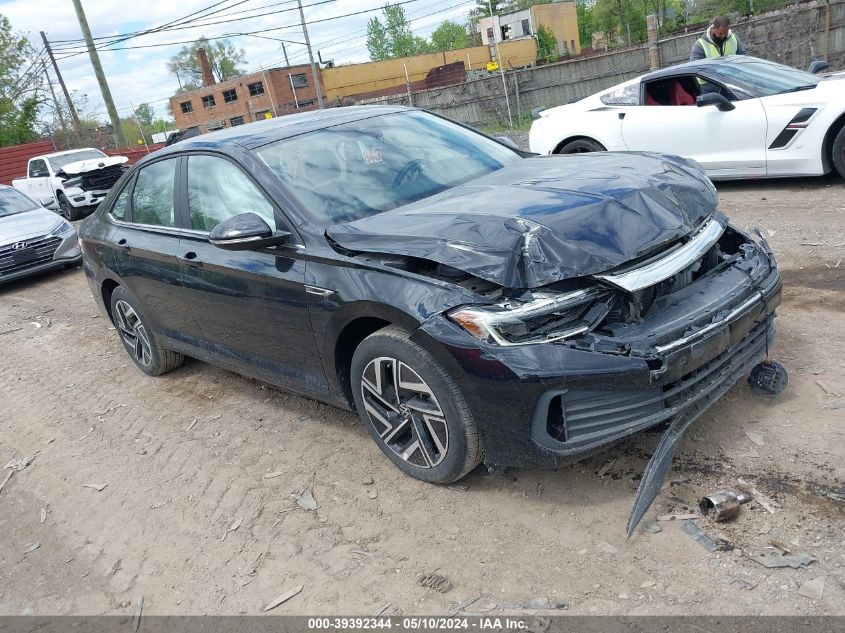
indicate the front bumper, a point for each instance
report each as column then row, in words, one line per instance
column 80, row 198
column 47, row 253
column 542, row 406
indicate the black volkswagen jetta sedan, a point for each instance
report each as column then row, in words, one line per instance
column 469, row 301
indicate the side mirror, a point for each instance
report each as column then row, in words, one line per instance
column 244, row 232
column 818, row 66
column 714, row 99
column 504, row 140
column 46, row 202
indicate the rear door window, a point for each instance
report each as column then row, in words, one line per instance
column 152, row 197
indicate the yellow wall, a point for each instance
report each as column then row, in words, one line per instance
column 342, row 81
column 562, row 19
column 516, row 53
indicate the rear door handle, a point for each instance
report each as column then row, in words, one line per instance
column 122, row 245
column 190, row 259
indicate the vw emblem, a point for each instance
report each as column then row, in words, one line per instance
column 19, row 246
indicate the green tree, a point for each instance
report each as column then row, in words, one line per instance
column 584, row 12
column 546, row 45
column 449, row 36
column 393, row 37
column 225, row 59
column 145, row 113
column 21, row 87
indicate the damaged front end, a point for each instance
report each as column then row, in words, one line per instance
column 693, row 319
column 87, row 182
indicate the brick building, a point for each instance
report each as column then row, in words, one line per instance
column 272, row 92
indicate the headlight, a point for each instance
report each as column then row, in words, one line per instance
column 548, row 317
column 63, row 228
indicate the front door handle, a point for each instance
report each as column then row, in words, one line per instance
column 621, row 115
column 190, row 259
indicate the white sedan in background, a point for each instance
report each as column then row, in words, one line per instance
column 755, row 119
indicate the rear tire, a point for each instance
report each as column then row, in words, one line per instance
column 413, row 409
column 138, row 339
column 581, row 146
column 68, row 211
column 839, row 152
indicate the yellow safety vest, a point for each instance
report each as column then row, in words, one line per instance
column 711, row 50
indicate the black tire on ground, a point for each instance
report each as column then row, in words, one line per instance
column 138, row 339
column 450, row 427
column 68, row 211
column 839, row 152
column 581, row 146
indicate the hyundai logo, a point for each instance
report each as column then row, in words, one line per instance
column 19, row 246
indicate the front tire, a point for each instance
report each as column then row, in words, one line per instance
column 138, row 339
column 581, row 146
column 839, row 152
column 413, row 409
column 68, row 211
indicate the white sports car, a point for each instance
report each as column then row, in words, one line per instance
column 755, row 119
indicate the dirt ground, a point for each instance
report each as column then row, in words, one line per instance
column 200, row 467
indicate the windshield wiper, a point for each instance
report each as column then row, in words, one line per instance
column 798, row 88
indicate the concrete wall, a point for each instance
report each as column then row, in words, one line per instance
column 795, row 36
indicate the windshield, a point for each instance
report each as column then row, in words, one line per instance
column 358, row 169
column 58, row 162
column 13, row 201
column 762, row 78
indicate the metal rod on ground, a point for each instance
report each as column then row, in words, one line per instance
column 501, row 68
column 140, row 129
column 310, row 55
column 55, row 100
column 293, row 90
column 269, row 89
column 70, row 106
column 408, row 85
column 98, row 69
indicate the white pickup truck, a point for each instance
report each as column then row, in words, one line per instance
column 71, row 182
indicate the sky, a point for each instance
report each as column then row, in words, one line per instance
column 140, row 75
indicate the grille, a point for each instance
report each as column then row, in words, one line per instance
column 39, row 250
column 102, row 178
column 580, row 414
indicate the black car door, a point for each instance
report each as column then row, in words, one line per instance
column 145, row 245
column 250, row 304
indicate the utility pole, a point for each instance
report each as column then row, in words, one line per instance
column 285, row 51
column 70, row 106
column 55, row 100
column 98, row 71
column 310, row 55
column 501, row 65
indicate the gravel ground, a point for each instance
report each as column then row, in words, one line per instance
column 200, row 467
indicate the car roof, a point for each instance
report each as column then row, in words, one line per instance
column 701, row 65
column 260, row 133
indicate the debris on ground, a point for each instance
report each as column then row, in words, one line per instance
column 191, row 425
column 652, row 527
column 19, row 464
column 772, row 559
column 812, row 589
column 744, row 582
column 438, row 582
column 97, row 487
column 725, row 504
column 471, row 600
column 43, row 515
column 544, row 604
column 233, row 527
column 6, row 480
column 757, row 438
column 705, row 540
column 758, row 496
column 306, row 501
column 284, row 598
column 273, row 475
column 137, row 621
column 368, row 480
column 372, row 493
column 604, row 469
column 828, row 390
column 31, row 547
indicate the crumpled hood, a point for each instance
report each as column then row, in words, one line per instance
column 547, row 218
column 92, row 164
column 28, row 224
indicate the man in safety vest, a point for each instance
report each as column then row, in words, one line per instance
column 717, row 41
